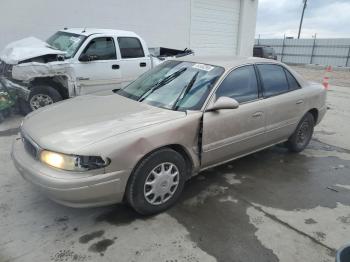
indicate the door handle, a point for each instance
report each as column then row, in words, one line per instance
column 115, row 67
column 257, row 114
column 83, row 78
column 143, row 64
column 300, row 102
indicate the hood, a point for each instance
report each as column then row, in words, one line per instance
column 27, row 48
column 72, row 124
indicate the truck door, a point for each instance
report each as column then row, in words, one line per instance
column 97, row 68
column 134, row 61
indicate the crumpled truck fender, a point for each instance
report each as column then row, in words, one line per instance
column 27, row 72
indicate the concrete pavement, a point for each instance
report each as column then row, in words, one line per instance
column 269, row 206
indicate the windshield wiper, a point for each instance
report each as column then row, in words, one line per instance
column 163, row 82
column 185, row 91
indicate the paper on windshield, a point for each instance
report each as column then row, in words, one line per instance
column 203, row 67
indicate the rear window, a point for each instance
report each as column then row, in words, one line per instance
column 130, row 47
column 273, row 79
column 268, row 51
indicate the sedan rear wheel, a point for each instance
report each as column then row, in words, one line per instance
column 157, row 182
column 302, row 135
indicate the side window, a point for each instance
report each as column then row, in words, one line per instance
column 103, row 48
column 241, row 84
column 130, row 47
column 273, row 79
column 293, row 84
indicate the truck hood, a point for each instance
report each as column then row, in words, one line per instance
column 27, row 48
column 75, row 123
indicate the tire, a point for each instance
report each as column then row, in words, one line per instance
column 302, row 134
column 139, row 195
column 40, row 96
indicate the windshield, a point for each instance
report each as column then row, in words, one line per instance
column 66, row 42
column 174, row 85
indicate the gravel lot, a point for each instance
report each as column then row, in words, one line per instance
column 337, row 78
column 269, row 206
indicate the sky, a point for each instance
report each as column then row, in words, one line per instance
column 326, row 18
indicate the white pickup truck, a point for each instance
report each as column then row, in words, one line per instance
column 74, row 62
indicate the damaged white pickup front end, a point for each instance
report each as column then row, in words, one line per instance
column 28, row 60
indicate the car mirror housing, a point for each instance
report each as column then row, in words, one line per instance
column 223, row 103
column 87, row 58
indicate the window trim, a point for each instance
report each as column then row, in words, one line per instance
column 289, row 85
column 87, row 45
column 262, row 84
column 120, row 49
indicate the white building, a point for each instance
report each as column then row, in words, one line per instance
column 209, row 27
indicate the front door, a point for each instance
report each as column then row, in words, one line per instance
column 102, row 72
column 230, row 133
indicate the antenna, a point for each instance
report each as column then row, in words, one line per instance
column 84, row 30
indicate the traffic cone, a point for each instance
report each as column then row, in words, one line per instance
column 325, row 81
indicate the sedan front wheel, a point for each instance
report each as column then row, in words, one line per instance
column 157, row 182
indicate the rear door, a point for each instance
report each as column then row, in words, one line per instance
column 284, row 101
column 231, row 133
column 102, row 73
column 134, row 61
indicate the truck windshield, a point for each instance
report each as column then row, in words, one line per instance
column 174, row 85
column 67, row 42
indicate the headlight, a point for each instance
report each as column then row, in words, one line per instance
column 72, row 162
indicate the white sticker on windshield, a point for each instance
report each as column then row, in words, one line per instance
column 203, row 67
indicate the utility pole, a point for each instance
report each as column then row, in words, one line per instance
column 302, row 18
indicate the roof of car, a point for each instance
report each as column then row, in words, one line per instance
column 90, row 31
column 227, row 62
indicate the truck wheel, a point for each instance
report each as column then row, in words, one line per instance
column 302, row 135
column 157, row 182
column 40, row 96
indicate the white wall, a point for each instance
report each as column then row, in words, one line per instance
column 160, row 22
column 247, row 24
column 214, row 26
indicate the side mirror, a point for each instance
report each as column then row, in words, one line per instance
column 223, row 103
column 87, row 58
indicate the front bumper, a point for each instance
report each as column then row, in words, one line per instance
column 21, row 90
column 81, row 189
